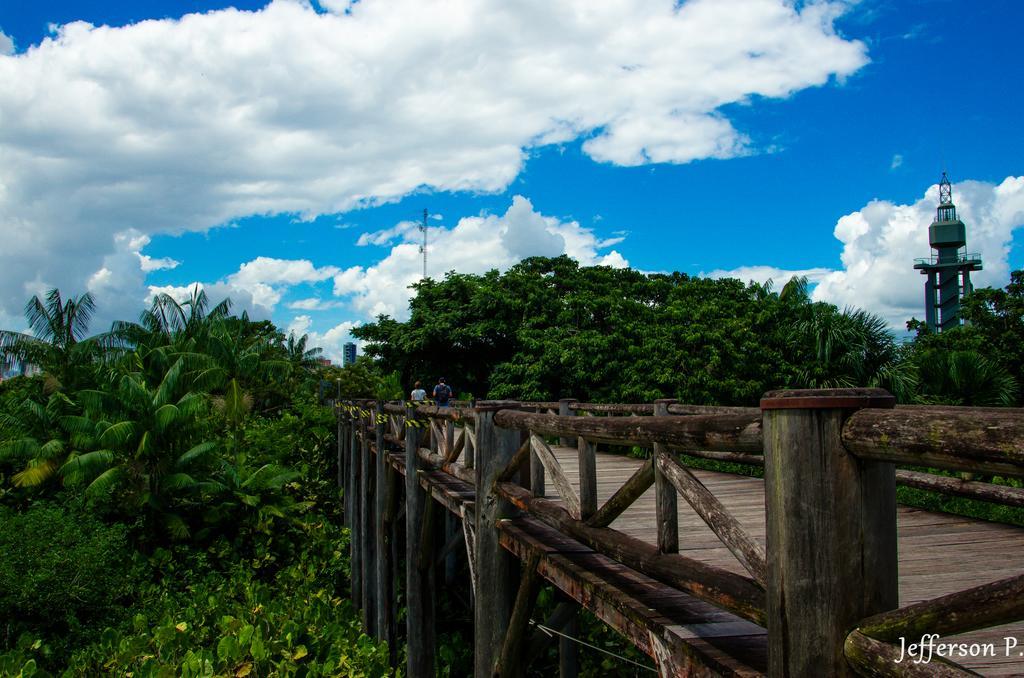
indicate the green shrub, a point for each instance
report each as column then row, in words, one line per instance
column 61, row 566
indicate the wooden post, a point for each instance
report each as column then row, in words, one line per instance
column 666, row 507
column 355, row 523
column 419, row 598
column 368, row 533
column 350, row 469
column 382, row 496
column 568, row 650
column 495, row 567
column 397, row 539
column 588, row 478
column 510, row 662
column 831, row 521
column 340, row 440
column 564, row 410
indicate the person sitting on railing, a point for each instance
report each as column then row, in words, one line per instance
column 418, row 394
column 442, row 393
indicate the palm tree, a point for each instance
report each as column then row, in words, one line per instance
column 849, row 349
column 149, row 446
column 299, row 357
column 57, row 344
column 964, row 377
column 40, row 438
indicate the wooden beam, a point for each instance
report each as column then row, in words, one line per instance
column 991, row 604
column 726, row 432
column 510, row 661
column 736, row 593
column 456, row 448
column 997, row 494
column 981, row 440
column 469, row 532
column 453, row 469
column 631, row 490
column 870, row 657
column 515, row 462
column 746, row 549
column 558, row 477
column 564, row 613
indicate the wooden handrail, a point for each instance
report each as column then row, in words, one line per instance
column 734, row 433
column 982, row 440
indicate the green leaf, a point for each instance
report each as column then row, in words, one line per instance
column 117, row 434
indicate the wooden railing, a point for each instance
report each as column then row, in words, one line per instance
column 829, row 462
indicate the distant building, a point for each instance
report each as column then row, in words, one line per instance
column 348, row 355
column 324, row 362
column 948, row 271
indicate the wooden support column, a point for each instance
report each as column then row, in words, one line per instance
column 350, row 469
column 831, row 520
column 494, row 565
column 511, row 663
column 531, row 475
column 382, row 537
column 355, row 523
column 340, row 440
column 419, row 601
column 452, row 535
column 666, row 507
column 368, row 533
column 564, row 410
column 588, row 478
column 397, row 539
column 568, row 650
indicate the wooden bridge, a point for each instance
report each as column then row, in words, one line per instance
column 812, row 571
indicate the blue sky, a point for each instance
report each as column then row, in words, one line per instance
column 253, row 150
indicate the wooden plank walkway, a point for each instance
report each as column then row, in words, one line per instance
column 939, row 553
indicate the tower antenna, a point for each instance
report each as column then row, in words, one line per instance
column 423, row 247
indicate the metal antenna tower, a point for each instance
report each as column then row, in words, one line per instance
column 423, row 247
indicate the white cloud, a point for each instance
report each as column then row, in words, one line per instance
column 168, row 126
column 387, row 235
column 762, row 274
column 6, row 44
column 897, row 160
column 882, row 239
column 163, row 263
column 474, row 245
column 312, row 304
column 258, row 285
column 287, row 271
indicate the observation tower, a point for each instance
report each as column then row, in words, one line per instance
column 948, row 271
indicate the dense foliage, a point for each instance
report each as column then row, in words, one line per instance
column 166, row 505
column 549, row 328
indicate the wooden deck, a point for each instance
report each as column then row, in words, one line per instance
column 939, row 553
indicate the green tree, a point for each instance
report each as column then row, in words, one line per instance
column 56, row 344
